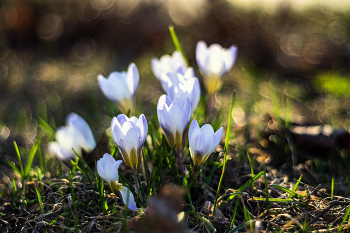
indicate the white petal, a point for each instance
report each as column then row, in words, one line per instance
column 117, row 85
column 79, row 124
column 132, row 79
column 186, row 114
column 230, row 57
column 207, row 131
column 101, row 170
column 199, row 144
column 216, row 61
column 116, row 129
column 111, row 172
column 216, row 139
column 175, row 115
column 155, row 67
column 107, row 89
column 195, row 94
column 61, row 153
column 164, row 121
column 114, row 87
column 128, row 198
column 68, row 138
column 143, row 126
column 108, row 158
column 133, row 119
column 189, row 73
column 201, row 56
column 194, row 125
column 129, row 136
column 122, row 118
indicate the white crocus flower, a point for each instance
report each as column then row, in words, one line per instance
column 213, row 62
column 182, row 87
column 202, row 141
column 77, row 135
column 120, row 87
column 173, row 117
column 107, row 168
column 168, row 64
column 129, row 135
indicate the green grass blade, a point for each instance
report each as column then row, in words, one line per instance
column 19, row 158
column 251, row 167
column 207, row 224
column 242, row 188
column 347, row 213
column 234, row 214
column 266, row 189
column 290, row 192
column 46, row 126
column 226, row 149
column 177, row 44
column 40, row 201
column 14, row 168
column 237, row 228
column 332, row 189
column 15, row 196
column 31, row 158
column 275, row 200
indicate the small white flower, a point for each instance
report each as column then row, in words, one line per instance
column 173, row 117
column 202, row 141
column 120, row 87
column 107, row 168
column 129, row 135
column 77, row 135
column 182, row 87
column 213, row 62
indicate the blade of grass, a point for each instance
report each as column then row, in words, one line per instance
column 42, row 211
column 332, row 189
column 177, row 44
column 19, row 158
column 290, row 192
column 234, row 214
column 15, row 196
column 242, row 188
column 251, row 167
column 46, row 126
column 275, row 200
column 14, row 168
column 266, row 189
column 226, row 149
column 31, row 158
column 237, row 228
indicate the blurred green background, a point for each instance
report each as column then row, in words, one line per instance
column 293, row 59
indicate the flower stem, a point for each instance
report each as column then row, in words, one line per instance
column 226, row 150
column 193, row 174
column 210, row 107
column 136, row 180
column 178, row 155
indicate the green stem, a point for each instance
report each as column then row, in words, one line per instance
column 226, row 150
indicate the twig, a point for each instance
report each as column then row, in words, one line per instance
column 327, row 209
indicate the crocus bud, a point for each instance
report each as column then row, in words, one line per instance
column 213, row 62
column 120, row 87
column 202, row 141
column 182, row 87
column 77, row 135
column 107, row 168
column 129, row 135
column 173, row 117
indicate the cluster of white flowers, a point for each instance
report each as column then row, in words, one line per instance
column 174, row 110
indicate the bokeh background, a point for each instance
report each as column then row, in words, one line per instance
column 292, row 54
